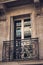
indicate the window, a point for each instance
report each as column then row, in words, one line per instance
column 23, row 28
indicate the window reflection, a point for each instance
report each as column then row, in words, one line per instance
column 18, row 29
column 27, row 28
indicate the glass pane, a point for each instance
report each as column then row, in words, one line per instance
column 18, row 23
column 27, row 28
column 18, row 29
column 27, row 22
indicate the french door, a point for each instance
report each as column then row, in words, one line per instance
column 22, row 31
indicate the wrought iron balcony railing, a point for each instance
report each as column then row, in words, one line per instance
column 25, row 49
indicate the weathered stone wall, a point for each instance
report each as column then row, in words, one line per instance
column 40, row 35
column 2, row 36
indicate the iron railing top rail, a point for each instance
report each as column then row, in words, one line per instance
column 22, row 39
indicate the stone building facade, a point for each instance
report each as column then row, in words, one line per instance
column 20, row 13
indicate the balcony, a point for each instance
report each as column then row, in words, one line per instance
column 26, row 49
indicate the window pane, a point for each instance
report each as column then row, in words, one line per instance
column 27, row 28
column 18, row 29
column 18, row 23
column 27, row 22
